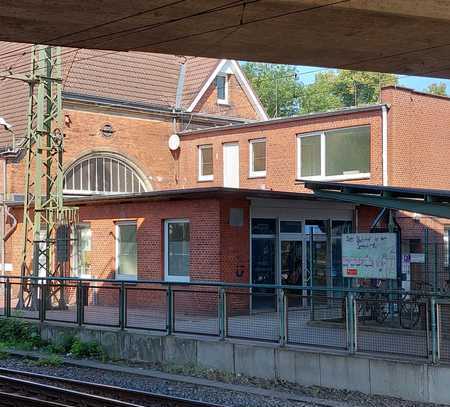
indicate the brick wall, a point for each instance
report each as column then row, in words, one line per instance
column 141, row 139
column 419, row 139
column 238, row 103
column 281, row 151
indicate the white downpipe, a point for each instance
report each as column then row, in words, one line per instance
column 384, row 131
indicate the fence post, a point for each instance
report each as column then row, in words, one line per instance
column 122, row 306
column 222, row 313
column 350, row 322
column 283, row 316
column 7, row 298
column 42, row 302
column 434, row 331
column 80, row 305
column 169, row 325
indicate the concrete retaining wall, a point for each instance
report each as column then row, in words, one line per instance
column 415, row 381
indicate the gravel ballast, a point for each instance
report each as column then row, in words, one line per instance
column 218, row 395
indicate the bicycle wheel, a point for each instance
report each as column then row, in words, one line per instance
column 381, row 310
column 409, row 314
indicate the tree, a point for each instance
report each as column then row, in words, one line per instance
column 337, row 89
column 437, row 89
column 282, row 93
column 276, row 86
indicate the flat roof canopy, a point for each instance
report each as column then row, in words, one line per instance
column 426, row 201
column 401, row 36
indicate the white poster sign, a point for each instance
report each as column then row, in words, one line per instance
column 369, row 255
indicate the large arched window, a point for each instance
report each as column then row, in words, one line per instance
column 102, row 174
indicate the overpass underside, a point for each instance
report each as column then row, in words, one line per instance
column 401, row 36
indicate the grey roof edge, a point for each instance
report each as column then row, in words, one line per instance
column 377, row 189
column 183, row 194
column 77, row 98
column 308, row 116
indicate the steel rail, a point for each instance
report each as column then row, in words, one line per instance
column 61, row 390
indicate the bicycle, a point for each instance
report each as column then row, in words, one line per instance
column 373, row 306
column 411, row 306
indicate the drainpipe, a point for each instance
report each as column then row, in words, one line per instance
column 3, row 226
column 176, row 110
column 384, row 119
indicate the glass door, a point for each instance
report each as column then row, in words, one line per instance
column 291, row 259
column 317, row 257
column 264, row 263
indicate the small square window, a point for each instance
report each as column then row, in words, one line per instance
column 205, row 163
column 258, row 158
column 222, row 89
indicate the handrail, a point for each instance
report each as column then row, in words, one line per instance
column 219, row 284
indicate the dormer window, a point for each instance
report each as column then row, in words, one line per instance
column 222, row 89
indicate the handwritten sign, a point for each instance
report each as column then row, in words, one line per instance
column 369, row 255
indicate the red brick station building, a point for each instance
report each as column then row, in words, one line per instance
column 228, row 203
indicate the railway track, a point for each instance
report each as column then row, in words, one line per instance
column 21, row 388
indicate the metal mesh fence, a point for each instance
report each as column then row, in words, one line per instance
column 101, row 305
column 316, row 321
column 26, row 303
column 62, row 306
column 196, row 311
column 146, row 308
column 2, row 298
column 389, row 326
column 444, row 331
column 241, row 322
column 377, row 322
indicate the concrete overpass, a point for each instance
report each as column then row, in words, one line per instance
column 401, row 36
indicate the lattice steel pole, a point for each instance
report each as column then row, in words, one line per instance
column 43, row 203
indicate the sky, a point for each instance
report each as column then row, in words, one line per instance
column 307, row 74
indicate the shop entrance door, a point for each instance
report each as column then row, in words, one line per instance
column 316, row 258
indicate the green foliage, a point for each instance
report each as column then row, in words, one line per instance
column 90, row 349
column 282, row 94
column 3, row 351
column 18, row 333
column 49, row 361
column 439, row 89
column 276, row 86
column 63, row 346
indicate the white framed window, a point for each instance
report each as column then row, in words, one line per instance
column 205, row 163
column 126, row 250
column 176, row 250
column 334, row 154
column 222, row 89
column 102, row 173
column 81, row 250
column 257, row 167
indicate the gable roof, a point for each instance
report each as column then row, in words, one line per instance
column 227, row 66
column 143, row 78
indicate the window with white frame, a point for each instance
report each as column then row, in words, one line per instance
column 176, row 250
column 222, row 89
column 205, row 163
column 102, row 173
column 126, row 250
column 81, row 250
column 258, row 158
column 339, row 154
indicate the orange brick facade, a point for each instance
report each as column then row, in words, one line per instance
column 218, row 251
column 281, row 150
column 139, row 138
